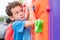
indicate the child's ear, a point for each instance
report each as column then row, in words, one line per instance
column 11, row 17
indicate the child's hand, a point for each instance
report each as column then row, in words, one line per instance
column 26, row 14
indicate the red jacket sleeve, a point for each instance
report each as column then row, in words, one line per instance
column 9, row 33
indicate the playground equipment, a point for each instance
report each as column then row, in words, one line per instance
column 38, row 25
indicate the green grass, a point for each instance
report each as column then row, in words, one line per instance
column 1, row 19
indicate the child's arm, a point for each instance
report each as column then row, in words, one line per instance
column 31, row 19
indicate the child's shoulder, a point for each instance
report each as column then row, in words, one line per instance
column 18, row 22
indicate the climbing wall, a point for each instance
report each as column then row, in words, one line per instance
column 42, row 12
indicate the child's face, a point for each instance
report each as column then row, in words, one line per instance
column 17, row 13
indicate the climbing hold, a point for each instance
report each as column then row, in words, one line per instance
column 48, row 9
column 38, row 25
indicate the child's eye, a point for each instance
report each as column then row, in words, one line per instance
column 21, row 10
column 16, row 12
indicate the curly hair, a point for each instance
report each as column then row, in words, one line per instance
column 10, row 6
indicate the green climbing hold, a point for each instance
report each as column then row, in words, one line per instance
column 38, row 25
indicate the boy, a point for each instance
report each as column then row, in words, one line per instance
column 21, row 26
